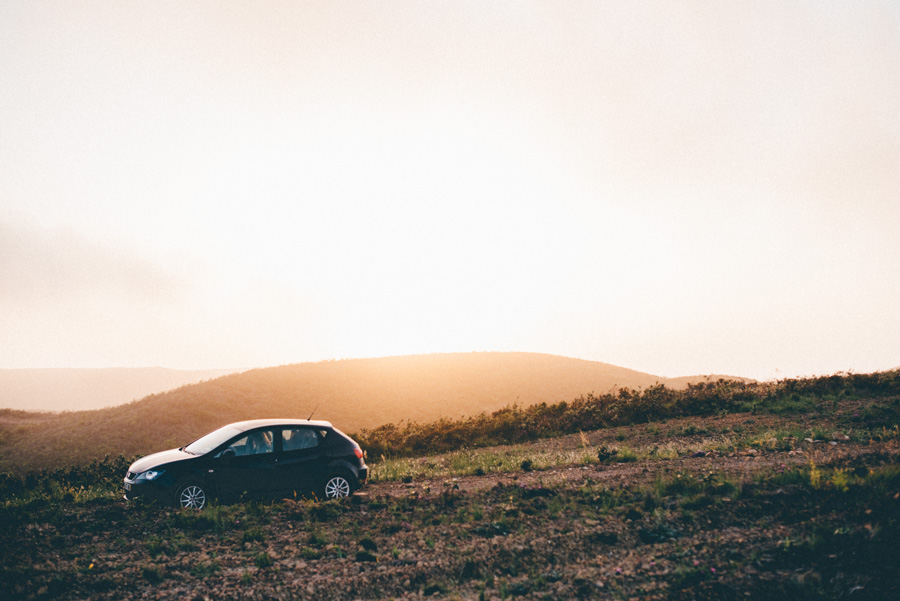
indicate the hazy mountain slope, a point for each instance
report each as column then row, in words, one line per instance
column 353, row 394
column 83, row 389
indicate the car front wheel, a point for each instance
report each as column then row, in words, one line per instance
column 338, row 485
column 190, row 496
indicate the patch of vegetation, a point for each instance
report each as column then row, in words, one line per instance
column 683, row 527
column 205, row 569
column 515, row 424
column 153, row 573
column 262, row 560
column 254, row 534
column 691, row 533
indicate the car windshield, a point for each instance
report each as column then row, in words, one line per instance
column 206, row 444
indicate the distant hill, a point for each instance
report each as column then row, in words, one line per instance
column 683, row 381
column 353, row 394
column 81, row 389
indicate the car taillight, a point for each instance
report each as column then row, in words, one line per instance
column 358, row 452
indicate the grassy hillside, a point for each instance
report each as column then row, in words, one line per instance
column 785, row 490
column 353, row 394
column 626, row 407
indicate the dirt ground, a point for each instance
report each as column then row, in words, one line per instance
column 818, row 521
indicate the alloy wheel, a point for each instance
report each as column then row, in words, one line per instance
column 337, row 487
column 192, row 497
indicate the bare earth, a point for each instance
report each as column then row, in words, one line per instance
column 748, row 524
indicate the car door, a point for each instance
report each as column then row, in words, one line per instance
column 301, row 465
column 246, row 466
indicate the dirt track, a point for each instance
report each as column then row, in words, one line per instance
column 614, row 475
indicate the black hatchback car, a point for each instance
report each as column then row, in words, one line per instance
column 257, row 458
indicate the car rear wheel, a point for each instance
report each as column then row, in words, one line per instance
column 339, row 485
column 190, row 496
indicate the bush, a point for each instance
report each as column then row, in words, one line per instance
column 263, row 560
column 606, row 454
column 515, row 424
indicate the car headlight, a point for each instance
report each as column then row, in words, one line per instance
column 152, row 474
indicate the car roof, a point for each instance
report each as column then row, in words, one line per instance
column 261, row 423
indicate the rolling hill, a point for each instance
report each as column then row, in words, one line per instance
column 353, row 394
column 68, row 389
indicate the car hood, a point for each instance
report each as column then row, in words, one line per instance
column 157, row 459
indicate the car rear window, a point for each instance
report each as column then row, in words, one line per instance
column 295, row 439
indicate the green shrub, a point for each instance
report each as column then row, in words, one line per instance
column 606, row 454
column 252, row 534
column 626, row 455
column 205, row 569
column 153, row 574
column 515, row 424
column 262, row 560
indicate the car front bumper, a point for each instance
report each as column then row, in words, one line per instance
column 146, row 492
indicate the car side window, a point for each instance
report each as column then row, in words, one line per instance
column 255, row 443
column 295, row 439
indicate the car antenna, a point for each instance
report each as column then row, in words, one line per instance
column 313, row 411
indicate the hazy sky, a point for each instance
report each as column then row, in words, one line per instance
column 674, row 187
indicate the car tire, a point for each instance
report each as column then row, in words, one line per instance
column 191, row 495
column 338, row 484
